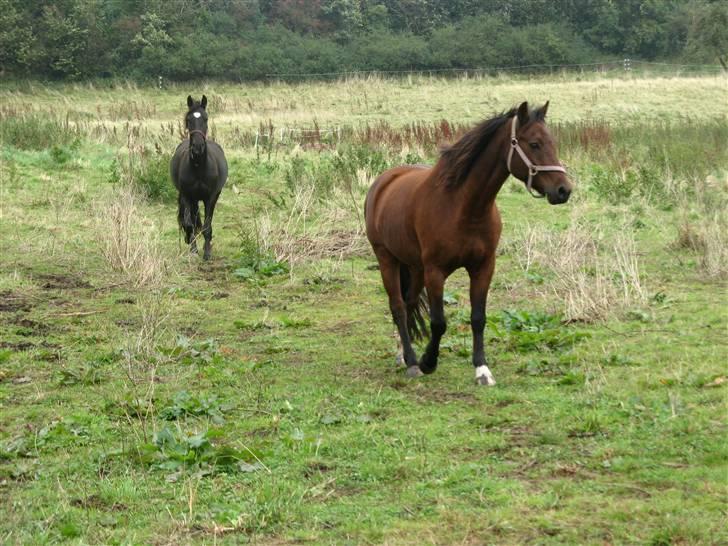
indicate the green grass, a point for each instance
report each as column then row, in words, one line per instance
column 265, row 407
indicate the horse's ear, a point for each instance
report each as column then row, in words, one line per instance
column 203, row 102
column 542, row 111
column 190, row 102
column 523, row 113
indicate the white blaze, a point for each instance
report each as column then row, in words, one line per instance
column 196, row 114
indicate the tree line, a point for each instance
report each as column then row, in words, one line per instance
column 252, row 39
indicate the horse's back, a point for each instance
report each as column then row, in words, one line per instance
column 386, row 181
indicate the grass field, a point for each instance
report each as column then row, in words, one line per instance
column 147, row 397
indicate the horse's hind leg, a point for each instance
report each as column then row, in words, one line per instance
column 411, row 283
column 207, row 227
column 389, row 268
column 415, row 320
column 434, row 282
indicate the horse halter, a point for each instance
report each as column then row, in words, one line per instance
column 190, row 133
column 533, row 170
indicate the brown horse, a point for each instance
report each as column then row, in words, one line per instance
column 425, row 222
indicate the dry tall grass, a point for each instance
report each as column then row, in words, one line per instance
column 708, row 238
column 310, row 229
column 592, row 278
column 703, row 228
column 129, row 241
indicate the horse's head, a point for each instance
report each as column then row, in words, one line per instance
column 532, row 156
column 196, row 125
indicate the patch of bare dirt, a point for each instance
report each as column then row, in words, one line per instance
column 33, row 327
column 97, row 503
column 12, row 303
column 55, row 281
column 429, row 393
column 27, row 345
column 316, row 468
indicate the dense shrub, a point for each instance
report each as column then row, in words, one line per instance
column 34, row 132
column 251, row 40
column 147, row 172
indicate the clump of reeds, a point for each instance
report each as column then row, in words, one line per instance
column 593, row 279
column 129, row 242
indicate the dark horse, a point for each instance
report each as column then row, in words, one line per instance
column 425, row 222
column 199, row 171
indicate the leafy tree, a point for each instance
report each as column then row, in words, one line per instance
column 63, row 44
column 153, row 44
column 388, row 51
column 344, row 16
column 72, row 39
column 470, row 43
column 707, row 35
column 17, row 42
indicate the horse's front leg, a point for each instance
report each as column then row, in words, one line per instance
column 186, row 217
column 434, row 283
column 479, row 284
column 207, row 226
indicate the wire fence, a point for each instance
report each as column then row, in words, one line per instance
column 619, row 65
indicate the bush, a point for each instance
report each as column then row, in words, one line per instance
column 33, row 132
column 147, row 172
column 254, row 261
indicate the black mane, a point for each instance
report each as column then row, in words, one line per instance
column 458, row 159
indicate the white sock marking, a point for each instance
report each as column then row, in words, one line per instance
column 484, row 371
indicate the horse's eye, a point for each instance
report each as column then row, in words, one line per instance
column 534, row 145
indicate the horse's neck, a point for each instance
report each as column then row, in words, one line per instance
column 485, row 179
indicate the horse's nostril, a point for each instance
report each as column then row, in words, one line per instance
column 563, row 192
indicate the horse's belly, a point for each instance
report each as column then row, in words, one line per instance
column 196, row 189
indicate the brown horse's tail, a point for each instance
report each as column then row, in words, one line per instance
column 416, row 323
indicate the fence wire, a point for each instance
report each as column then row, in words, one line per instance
column 623, row 65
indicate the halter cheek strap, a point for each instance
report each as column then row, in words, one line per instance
column 533, row 170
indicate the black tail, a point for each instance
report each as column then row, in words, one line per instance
column 416, row 323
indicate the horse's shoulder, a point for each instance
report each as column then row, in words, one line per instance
column 211, row 144
column 181, row 147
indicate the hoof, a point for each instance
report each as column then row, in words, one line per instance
column 399, row 361
column 484, row 377
column 427, row 367
column 414, row 371
column 193, row 250
column 206, row 256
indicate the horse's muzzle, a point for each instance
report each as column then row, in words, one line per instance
column 559, row 195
